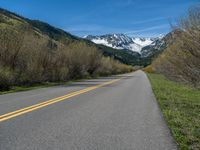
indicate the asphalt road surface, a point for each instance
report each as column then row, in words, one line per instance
column 111, row 113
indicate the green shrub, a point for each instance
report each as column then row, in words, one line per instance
column 6, row 78
column 149, row 69
column 181, row 59
column 33, row 59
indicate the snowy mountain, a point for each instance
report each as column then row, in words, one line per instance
column 157, row 46
column 121, row 41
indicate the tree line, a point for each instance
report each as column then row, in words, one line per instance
column 28, row 57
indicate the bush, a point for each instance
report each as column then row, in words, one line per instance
column 181, row 59
column 109, row 66
column 32, row 58
column 5, row 79
column 149, row 69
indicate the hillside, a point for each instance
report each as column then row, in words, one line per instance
column 145, row 50
column 13, row 20
column 151, row 52
column 34, row 52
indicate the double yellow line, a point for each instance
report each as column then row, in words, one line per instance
column 25, row 110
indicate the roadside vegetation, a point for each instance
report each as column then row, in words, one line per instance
column 181, row 60
column 180, row 105
column 32, row 87
column 29, row 57
column 175, row 79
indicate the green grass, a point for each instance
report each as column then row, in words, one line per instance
column 41, row 85
column 180, row 105
column 27, row 88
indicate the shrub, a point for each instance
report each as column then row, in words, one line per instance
column 6, row 78
column 181, row 59
column 149, row 69
column 32, row 57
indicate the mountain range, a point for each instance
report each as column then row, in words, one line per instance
column 122, row 41
column 146, row 48
column 131, row 51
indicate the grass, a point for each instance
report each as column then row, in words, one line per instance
column 48, row 84
column 42, row 85
column 180, row 105
column 38, row 86
column 27, row 88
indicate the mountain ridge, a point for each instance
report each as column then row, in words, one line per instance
column 122, row 41
column 121, row 52
column 16, row 22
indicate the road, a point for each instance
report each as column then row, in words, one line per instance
column 110, row 113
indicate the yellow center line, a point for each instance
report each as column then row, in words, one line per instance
column 25, row 110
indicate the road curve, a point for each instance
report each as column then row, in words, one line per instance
column 121, row 113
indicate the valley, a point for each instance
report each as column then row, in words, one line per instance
column 117, row 75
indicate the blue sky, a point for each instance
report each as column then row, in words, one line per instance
column 147, row 18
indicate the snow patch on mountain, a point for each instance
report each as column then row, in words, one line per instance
column 143, row 41
column 135, row 47
column 121, row 41
column 106, row 43
column 102, row 41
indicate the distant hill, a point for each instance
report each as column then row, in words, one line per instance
column 11, row 20
column 34, row 52
column 131, row 51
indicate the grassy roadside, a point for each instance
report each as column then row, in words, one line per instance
column 51, row 84
column 38, row 86
column 27, row 88
column 45, row 85
column 181, row 108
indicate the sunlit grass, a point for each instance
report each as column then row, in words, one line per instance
column 181, row 108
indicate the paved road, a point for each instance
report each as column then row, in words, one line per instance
column 122, row 115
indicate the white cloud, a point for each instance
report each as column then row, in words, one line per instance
column 95, row 29
column 147, row 29
column 148, row 20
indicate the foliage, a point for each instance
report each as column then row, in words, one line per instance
column 9, row 19
column 181, row 59
column 149, row 69
column 51, row 31
column 28, row 57
column 125, row 56
column 5, row 79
